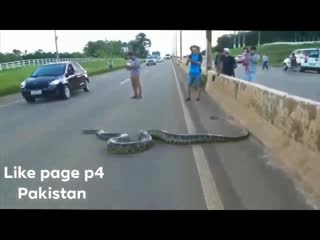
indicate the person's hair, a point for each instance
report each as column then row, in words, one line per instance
column 245, row 48
column 130, row 54
column 253, row 48
column 195, row 47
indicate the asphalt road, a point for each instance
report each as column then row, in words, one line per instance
column 47, row 135
column 306, row 84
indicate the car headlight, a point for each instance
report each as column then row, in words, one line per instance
column 23, row 84
column 55, row 82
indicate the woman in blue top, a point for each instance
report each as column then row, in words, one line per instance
column 195, row 58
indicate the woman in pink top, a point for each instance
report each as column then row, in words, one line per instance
column 245, row 58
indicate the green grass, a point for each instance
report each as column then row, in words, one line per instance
column 10, row 79
column 276, row 53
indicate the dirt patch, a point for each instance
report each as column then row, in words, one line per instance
column 290, row 104
column 236, row 88
column 297, row 131
column 318, row 140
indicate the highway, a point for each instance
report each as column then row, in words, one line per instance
column 48, row 135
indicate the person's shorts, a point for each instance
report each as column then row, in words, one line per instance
column 194, row 79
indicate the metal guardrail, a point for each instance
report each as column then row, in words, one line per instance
column 24, row 63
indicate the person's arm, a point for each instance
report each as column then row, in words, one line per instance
column 234, row 63
column 255, row 58
column 135, row 65
column 197, row 62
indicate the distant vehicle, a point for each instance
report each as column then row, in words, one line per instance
column 156, row 54
column 307, row 59
column 239, row 59
column 151, row 61
column 55, row 80
column 167, row 56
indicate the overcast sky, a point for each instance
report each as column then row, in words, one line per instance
column 75, row 40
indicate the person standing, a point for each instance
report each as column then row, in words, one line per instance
column 134, row 68
column 265, row 62
column 245, row 53
column 228, row 63
column 110, row 64
column 253, row 59
column 195, row 60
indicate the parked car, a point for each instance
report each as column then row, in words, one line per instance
column 307, row 59
column 151, row 61
column 55, row 80
column 167, row 56
column 239, row 58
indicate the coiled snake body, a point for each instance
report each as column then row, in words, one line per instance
column 121, row 143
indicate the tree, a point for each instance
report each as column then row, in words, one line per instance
column 140, row 45
column 16, row 52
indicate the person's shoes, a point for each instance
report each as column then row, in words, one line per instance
column 139, row 97
column 188, row 99
column 198, row 99
column 133, row 97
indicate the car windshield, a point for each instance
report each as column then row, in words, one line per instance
column 312, row 53
column 49, row 70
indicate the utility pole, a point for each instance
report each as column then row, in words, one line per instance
column 208, row 51
column 244, row 39
column 234, row 39
column 56, row 42
column 259, row 38
column 181, row 44
column 176, row 44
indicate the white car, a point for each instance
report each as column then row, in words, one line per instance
column 151, row 61
column 307, row 59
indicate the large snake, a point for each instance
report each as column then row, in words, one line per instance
column 121, row 143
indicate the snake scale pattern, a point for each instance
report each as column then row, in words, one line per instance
column 120, row 143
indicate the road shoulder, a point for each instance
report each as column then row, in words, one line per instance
column 242, row 170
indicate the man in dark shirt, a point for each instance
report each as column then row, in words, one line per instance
column 228, row 63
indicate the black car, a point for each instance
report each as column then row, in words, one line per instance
column 55, row 80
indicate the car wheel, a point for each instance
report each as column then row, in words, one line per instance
column 66, row 93
column 30, row 99
column 285, row 67
column 86, row 87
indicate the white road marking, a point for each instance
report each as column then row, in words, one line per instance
column 10, row 103
column 124, row 81
column 209, row 188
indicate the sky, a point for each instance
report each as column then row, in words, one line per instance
column 75, row 40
